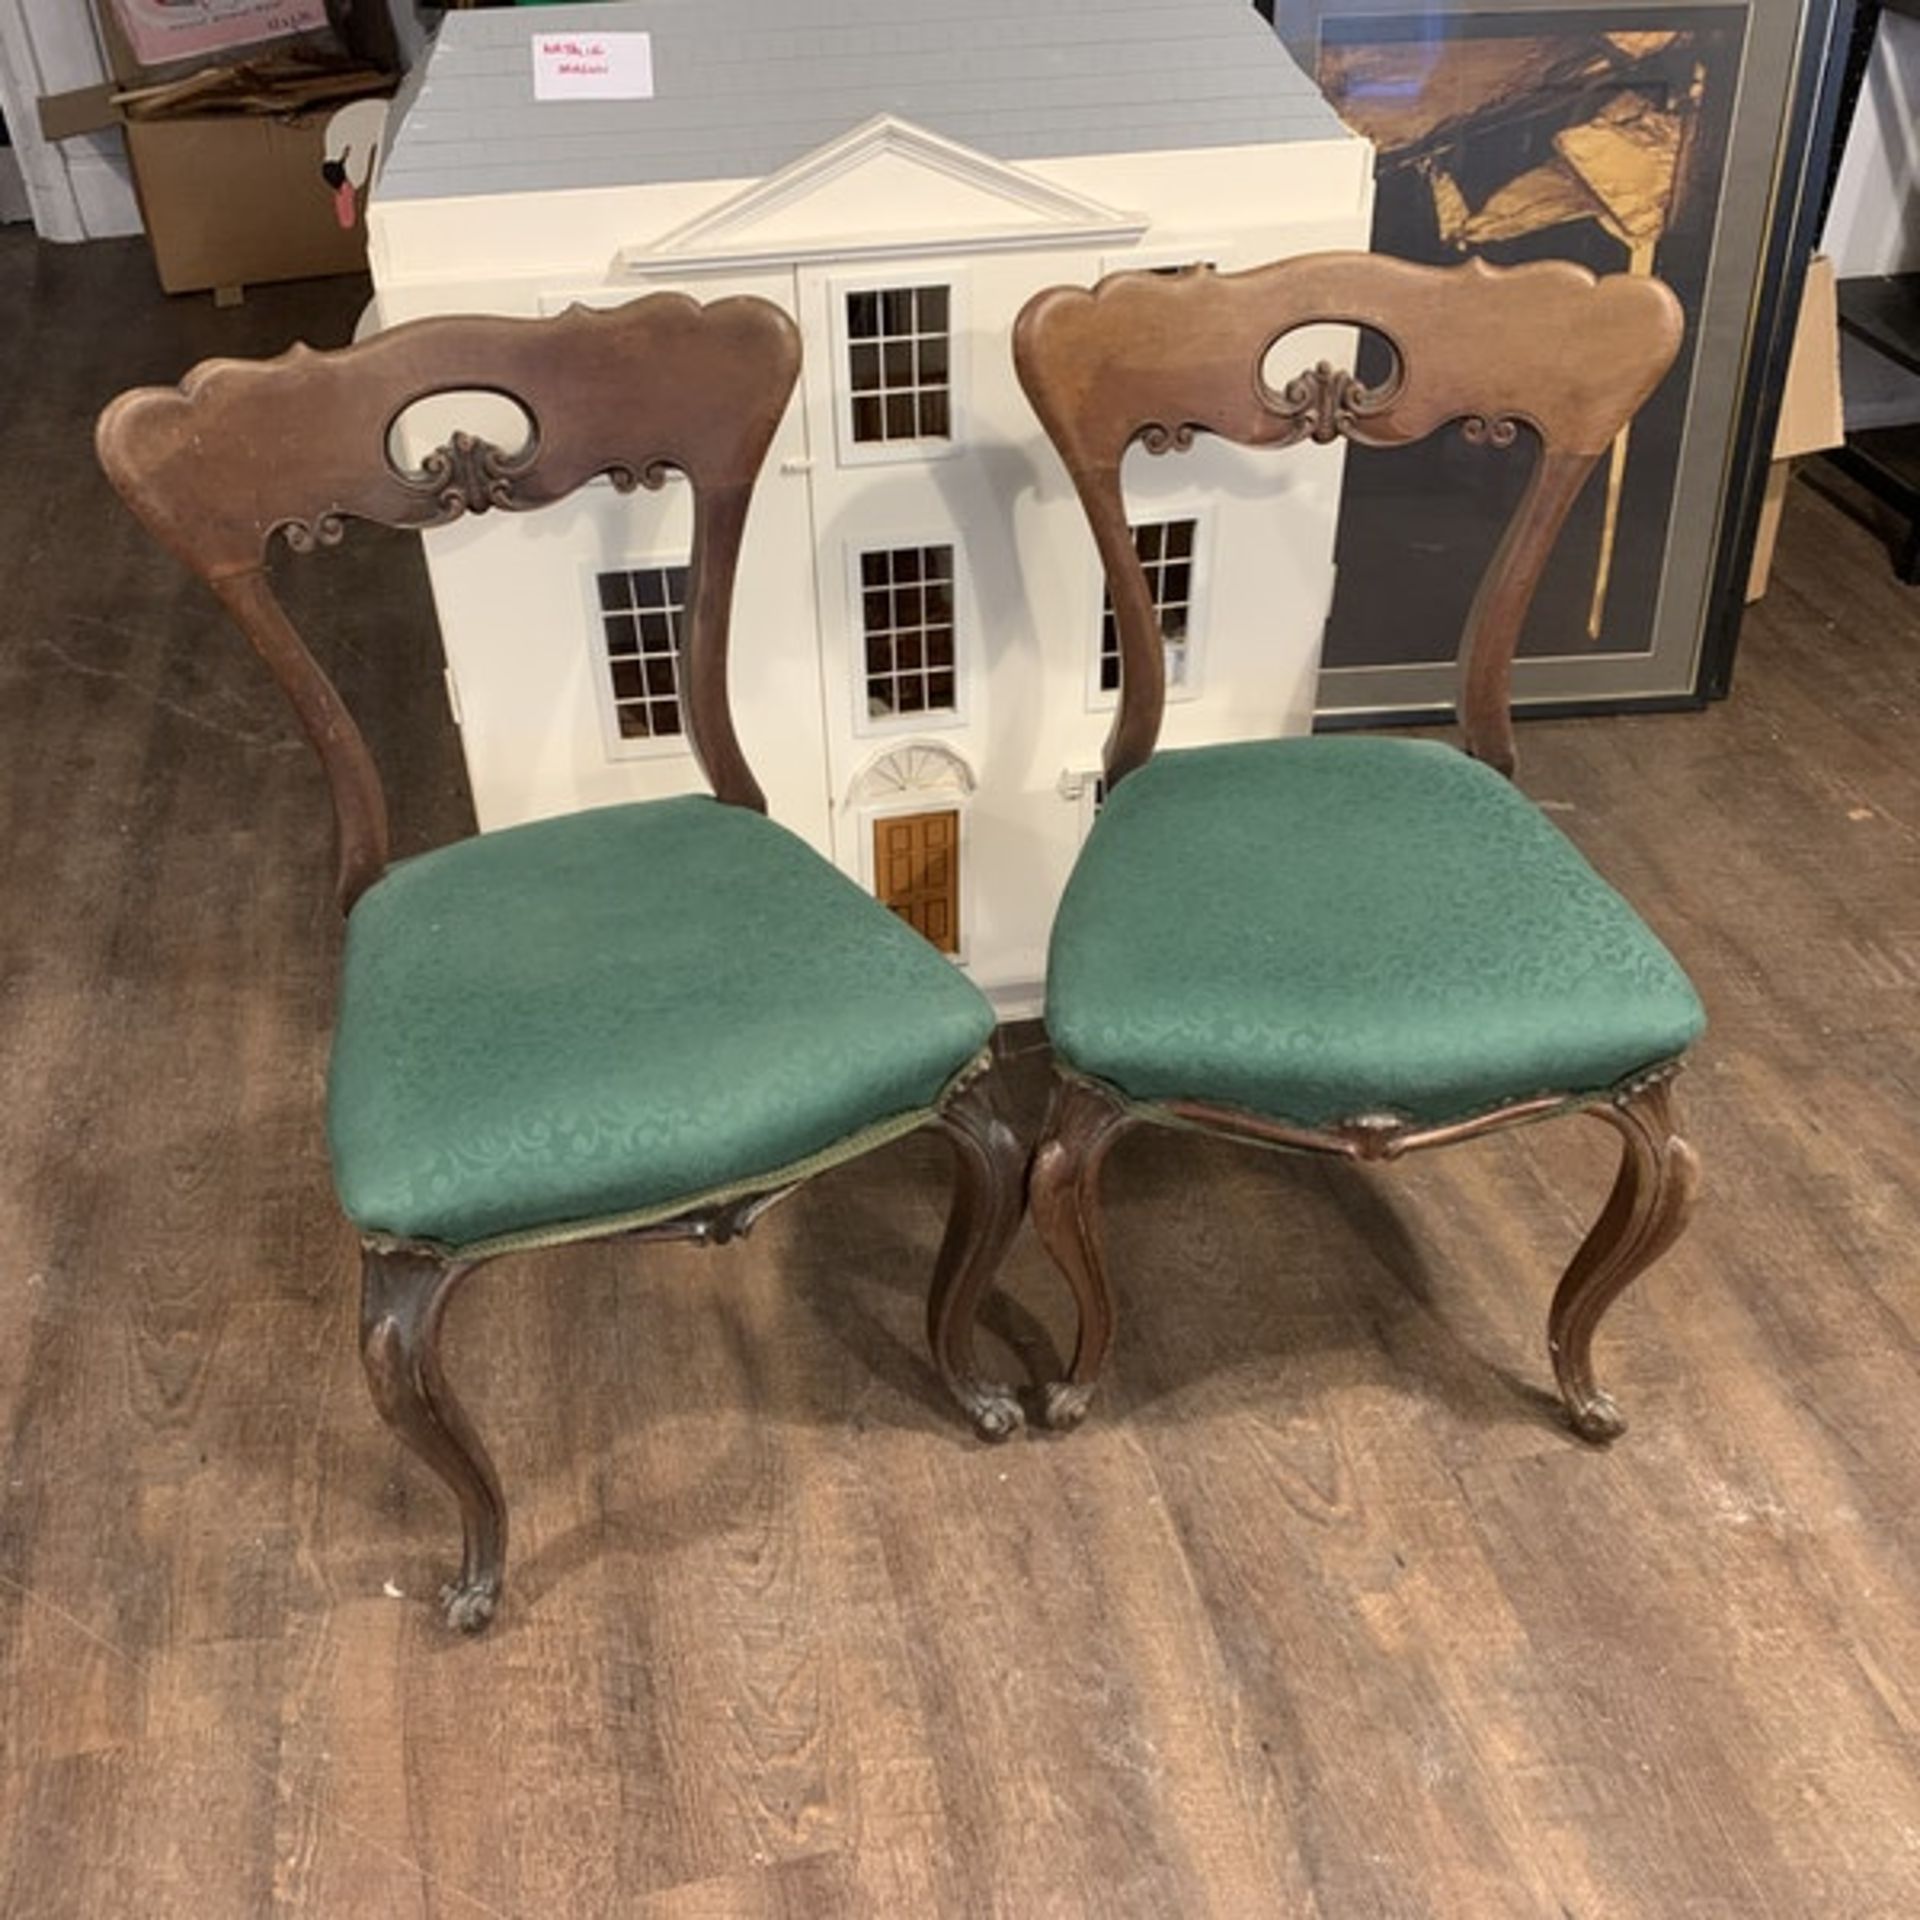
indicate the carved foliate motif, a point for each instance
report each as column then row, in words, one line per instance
column 1326, row 401
column 653, row 476
column 1501, row 431
column 306, row 536
column 1158, row 437
column 470, row 475
column 731, row 1219
column 1373, row 1136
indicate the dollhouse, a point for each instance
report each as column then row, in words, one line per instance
column 924, row 666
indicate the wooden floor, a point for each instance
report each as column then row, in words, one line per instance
column 1323, row 1614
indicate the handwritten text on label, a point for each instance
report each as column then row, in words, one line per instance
column 593, row 66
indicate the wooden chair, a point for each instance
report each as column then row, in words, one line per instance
column 1349, row 945
column 651, row 1020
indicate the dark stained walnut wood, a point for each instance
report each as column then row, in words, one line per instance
column 1154, row 359
column 1367, row 1136
column 244, row 452
column 1063, row 1195
column 403, row 1297
column 1645, row 1214
column 404, row 1294
column 988, row 1164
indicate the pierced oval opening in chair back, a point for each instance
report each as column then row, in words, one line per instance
column 1330, row 398
column 244, row 451
column 1158, row 358
column 471, row 443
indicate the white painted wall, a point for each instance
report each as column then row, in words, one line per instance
column 1874, row 224
column 77, row 189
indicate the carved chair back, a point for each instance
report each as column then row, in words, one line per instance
column 242, row 451
column 1157, row 358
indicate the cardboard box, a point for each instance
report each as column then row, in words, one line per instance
column 1810, row 411
column 229, row 199
column 233, row 200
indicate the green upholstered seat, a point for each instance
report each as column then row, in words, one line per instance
column 620, row 1012
column 1313, row 930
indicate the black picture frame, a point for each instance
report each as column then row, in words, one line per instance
column 1802, row 166
column 1800, row 202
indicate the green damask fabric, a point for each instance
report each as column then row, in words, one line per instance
column 592, row 1016
column 1321, row 928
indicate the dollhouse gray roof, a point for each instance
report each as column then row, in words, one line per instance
column 743, row 87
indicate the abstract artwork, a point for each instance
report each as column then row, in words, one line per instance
column 1518, row 135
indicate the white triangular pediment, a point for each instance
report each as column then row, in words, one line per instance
column 884, row 186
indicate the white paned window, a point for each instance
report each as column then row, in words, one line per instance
column 899, row 364
column 1168, row 551
column 909, row 631
column 641, row 609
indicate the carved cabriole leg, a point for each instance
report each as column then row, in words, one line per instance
column 1063, row 1195
column 988, row 1162
column 403, row 1297
column 1644, row 1215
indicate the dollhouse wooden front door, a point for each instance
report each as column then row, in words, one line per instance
column 916, row 872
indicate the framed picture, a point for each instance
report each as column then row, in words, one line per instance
column 1668, row 137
